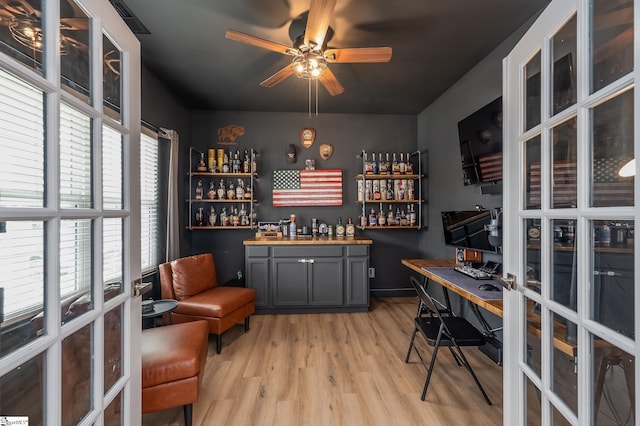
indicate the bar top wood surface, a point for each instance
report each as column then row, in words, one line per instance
column 306, row 240
column 493, row 306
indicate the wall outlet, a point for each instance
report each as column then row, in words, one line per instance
column 372, row 272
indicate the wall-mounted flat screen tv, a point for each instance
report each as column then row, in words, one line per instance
column 480, row 137
column 465, row 229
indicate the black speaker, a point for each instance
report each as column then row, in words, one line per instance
column 459, row 256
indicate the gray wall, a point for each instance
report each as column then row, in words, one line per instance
column 270, row 134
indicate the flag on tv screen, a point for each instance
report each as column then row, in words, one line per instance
column 307, row 188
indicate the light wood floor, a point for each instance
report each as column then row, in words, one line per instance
column 338, row 369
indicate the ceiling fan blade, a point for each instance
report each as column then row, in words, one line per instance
column 281, row 75
column 318, row 22
column 21, row 7
column 331, row 83
column 74, row 23
column 358, row 54
column 260, row 42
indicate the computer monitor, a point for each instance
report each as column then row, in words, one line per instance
column 466, row 229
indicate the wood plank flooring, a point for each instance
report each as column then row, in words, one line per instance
column 338, row 369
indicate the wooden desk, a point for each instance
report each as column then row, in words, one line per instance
column 493, row 306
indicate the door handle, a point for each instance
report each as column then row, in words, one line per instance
column 302, row 260
column 311, row 261
column 509, row 282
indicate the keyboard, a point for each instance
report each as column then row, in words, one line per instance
column 474, row 272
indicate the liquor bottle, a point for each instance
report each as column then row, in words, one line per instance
column 340, row 228
column 199, row 217
column 224, row 219
column 199, row 190
column 202, row 166
column 212, row 216
column 368, row 190
column 403, row 218
column 246, row 166
column 410, row 190
column 401, row 165
column 314, row 227
column 254, row 164
column 375, row 166
column 368, row 165
column 408, row 169
column 235, row 217
column 240, row 189
column 373, row 220
column 211, row 193
column 390, row 219
column 382, row 165
column 222, row 192
column 225, row 164
column 363, row 221
column 401, row 191
column 236, row 162
column 376, row 190
column 350, row 229
column 382, row 219
column 387, row 163
column 244, row 218
column 389, row 195
column 398, row 219
column 395, row 168
column 211, row 160
column 360, row 190
column 293, row 230
column 231, row 192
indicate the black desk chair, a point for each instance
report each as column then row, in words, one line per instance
column 440, row 330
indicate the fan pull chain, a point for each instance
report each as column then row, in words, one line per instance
column 309, row 98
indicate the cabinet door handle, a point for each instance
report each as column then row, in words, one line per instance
column 311, row 261
column 302, row 260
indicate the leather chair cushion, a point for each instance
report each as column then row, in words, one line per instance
column 173, row 352
column 193, row 275
column 216, row 302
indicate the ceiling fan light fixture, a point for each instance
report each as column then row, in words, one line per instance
column 309, row 65
column 27, row 31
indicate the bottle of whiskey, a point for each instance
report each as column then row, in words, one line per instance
column 382, row 165
column 395, row 168
column 222, row 192
column 408, row 169
column 236, row 162
column 225, row 164
column 254, row 164
column 212, row 216
column 376, row 190
column 373, row 219
column 398, row 218
column 390, row 219
column 199, row 217
column 199, row 190
column 350, row 229
column 231, row 192
column 403, row 218
column 340, row 228
column 382, row 219
column 389, row 195
column 224, row 219
column 375, row 166
column 401, row 165
column 413, row 219
column 246, row 166
column 368, row 165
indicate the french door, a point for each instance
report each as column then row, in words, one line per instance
column 571, row 205
column 69, row 222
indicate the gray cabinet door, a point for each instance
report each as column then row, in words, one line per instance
column 326, row 286
column 289, row 282
column 357, row 281
column 257, row 270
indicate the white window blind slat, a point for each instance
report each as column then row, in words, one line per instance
column 111, row 169
column 149, row 205
column 22, row 260
column 75, row 256
column 21, row 143
column 113, row 250
column 75, row 158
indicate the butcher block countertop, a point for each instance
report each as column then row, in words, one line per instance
column 306, row 240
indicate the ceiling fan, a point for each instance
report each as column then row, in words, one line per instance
column 24, row 22
column 309, row 51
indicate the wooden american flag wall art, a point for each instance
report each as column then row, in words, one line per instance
column 307, row 188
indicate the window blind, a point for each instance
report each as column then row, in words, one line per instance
column 21, row 143
column 111, row 169
column 75, row 256
column 149, row 204
column 75, row 158
column 22, row 260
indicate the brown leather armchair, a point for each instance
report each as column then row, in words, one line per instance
column 193, row 283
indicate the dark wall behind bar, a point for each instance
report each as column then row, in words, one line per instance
column 270, row 134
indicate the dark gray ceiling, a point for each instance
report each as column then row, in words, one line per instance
column 435, row 42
